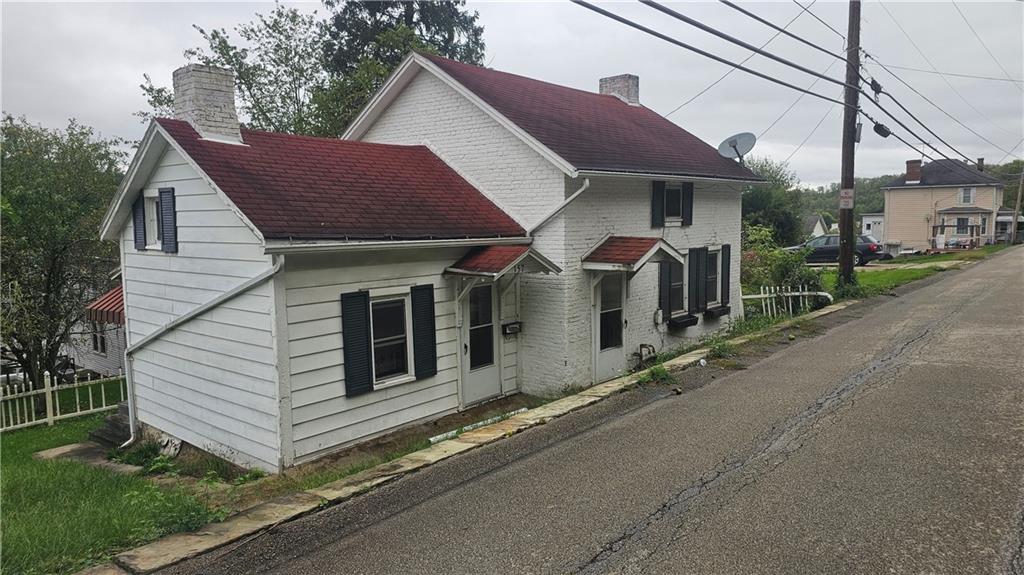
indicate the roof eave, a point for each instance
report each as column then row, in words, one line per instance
column 313, row 246
column 669, row 176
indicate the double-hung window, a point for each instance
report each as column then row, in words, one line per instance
column 962, row 226
column 967, row 195
column 711, row 279
column 389, row 329
column 677, row 288
column 673, row 203
column 99, row 338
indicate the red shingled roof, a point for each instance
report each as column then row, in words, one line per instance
column 593, row 131
column 623, row 250
column 490, row 259
column 108, row 308
column 319, row 188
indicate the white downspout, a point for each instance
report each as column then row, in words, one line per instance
column 198, row 310
column 533, row 229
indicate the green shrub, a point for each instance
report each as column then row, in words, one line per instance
column 719, row 348
column 766, row 264
column 141, row 454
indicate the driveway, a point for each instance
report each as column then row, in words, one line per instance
column 891, row 443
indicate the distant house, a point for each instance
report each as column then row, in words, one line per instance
column 476, row 234
column 814, row 226
column 98, row 345
column 873, row 224
column 941, row 204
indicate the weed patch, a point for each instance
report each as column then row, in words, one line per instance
column 655, row 375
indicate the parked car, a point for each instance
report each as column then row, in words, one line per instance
column 825, row 250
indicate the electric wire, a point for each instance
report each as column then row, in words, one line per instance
column 954, row 74
column 983, row 44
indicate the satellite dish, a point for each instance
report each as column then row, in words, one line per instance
column 735, row 147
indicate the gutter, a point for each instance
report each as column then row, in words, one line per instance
column 336, row 246
column 668, row 177
column 184, row 318
column 533, row 229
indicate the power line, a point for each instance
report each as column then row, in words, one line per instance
column 795, row 102
column 711, row 30
column 923, row 125
column 937, row 107
column 1010, row 153
column 815, row 16
column 983, row 44
column 813, row 130
column 879, row 127
column 783, row 29
column 932, row 66
column 704, row 53
column 731, row 70
column 954, row 74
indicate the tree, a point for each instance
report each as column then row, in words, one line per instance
column 356, row 28
column 56, row 187
column 774, row 204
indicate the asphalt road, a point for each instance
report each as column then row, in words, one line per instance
column 891, row 443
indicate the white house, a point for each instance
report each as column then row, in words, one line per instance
column 476, row 234
column 873, row 225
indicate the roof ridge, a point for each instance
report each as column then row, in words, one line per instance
column 310, row 138
column 513, row 74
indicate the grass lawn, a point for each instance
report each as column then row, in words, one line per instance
column 59, row 516
column 877, row 282
column 962, row 255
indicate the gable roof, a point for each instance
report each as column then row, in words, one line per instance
column 947, row 173
column 810, row 221
column 574, row 129
column 628, row 253
column 496, row 261
column 301, row 187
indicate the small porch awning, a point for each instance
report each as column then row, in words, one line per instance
column 496, row 261
column 108, row 308
column 628, row 254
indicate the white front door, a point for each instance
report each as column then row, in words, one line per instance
column 609, row 355
column 481, row 376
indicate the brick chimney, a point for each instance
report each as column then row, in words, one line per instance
column 913, row 171
column 981, row 164
column 625, row 86
column 204, row 96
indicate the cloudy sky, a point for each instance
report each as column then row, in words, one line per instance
column 86, row 60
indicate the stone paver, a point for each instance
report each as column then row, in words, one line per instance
column 89, row 453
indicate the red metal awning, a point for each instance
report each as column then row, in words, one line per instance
column 108, row 308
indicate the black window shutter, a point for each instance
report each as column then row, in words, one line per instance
column 139, row 222
column 665, row 289
column 702, row 288
column 693, row 279
column 658, row 204
column 725, row 258
column 687, row 203
column 168, row 221
column 355, row 337
column 424, row 331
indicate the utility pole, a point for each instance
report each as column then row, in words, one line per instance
column 1016, row 209
column 850, row 98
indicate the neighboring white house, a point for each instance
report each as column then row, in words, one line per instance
column 477, row 234
column 873, row 225
column 814, row 226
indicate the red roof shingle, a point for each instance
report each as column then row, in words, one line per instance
column 301, row 187
column 593, row 131
column 623, row 250
column 108, row 308
column 490, row 259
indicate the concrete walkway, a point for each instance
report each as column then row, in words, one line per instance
column 892, row 443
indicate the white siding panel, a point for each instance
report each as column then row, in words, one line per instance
column 213, row 380
column 323, row 418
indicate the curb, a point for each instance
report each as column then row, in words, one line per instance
column 178, row 547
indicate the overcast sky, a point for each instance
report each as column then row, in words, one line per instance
column 86, row 60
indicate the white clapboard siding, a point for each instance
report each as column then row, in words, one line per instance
column 213, row 380
column 322, row 417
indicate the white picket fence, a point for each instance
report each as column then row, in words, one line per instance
column 24, row 404
column 785, row 300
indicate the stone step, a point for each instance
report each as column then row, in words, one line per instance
column 114, row 432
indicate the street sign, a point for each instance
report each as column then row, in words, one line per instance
column 846, row 199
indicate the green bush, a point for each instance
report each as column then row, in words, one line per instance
column 766, row 264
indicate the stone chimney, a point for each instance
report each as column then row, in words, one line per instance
column 913, row 171
column 625, row 86
column 204, row 96
column 981, row 164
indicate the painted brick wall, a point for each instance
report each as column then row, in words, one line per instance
column 516, row 178
column 621, row 206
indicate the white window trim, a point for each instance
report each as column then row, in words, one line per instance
column 150, row 197
column 718, row 277
column 674, row 219
column 973, row 192
column 410, row 374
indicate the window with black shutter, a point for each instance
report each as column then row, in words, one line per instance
column 167, row 220
column 678, row 209
column 424, row 331
column 355, row 340
column 139, row 222
column 657, row 204
column 672, row 295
